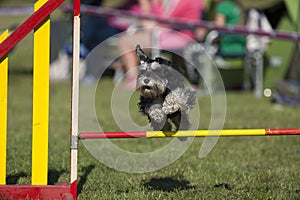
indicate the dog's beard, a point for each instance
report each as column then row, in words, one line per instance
column 151, row 91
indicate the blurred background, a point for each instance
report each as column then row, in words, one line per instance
column 280, row 58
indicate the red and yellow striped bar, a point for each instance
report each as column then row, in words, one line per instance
column 33, row 21
column 191, row 133
column 40, row 114
column 3, row 108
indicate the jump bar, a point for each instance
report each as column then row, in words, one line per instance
column 190, row 133
column 33, row 21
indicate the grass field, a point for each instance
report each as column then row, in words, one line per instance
column 237, row 168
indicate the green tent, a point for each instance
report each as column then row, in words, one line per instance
column 288, row 51
column 293, row 10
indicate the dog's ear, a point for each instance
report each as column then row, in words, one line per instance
column 163, row 61
column 142, row 56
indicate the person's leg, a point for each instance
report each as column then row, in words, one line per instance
column 127, row 44
column 173, row 40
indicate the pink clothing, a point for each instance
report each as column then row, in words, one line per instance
column 166, row 38
column 124, row 22
column 169, row 39
column 189, row 10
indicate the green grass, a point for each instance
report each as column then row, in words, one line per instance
column 237, row 168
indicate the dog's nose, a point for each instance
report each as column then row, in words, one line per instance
column 146, row 81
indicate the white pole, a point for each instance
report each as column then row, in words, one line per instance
column 75, row 97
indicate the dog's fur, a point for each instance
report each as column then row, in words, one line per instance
column 163, row 95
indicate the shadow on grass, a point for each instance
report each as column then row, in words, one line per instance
column 168, row 184
column 86, row 171
column 20, row 72
column 226, row 186
column 53, row 175
column 13, row 179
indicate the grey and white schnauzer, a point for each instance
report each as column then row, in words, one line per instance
column 164, row 98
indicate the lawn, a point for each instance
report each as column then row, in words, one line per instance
column 236, row 168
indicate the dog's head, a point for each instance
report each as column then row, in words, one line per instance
column 152, row 80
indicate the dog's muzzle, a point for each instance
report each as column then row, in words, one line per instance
column 149, row 88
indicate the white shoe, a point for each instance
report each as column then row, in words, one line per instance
column 59, row 68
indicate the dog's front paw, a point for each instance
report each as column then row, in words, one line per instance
column 170, row 106
column 157, row 115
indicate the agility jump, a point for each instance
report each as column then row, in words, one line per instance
column 39, row 22
column 190, row 133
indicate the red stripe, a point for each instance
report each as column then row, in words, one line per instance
column 98, row 135
column 283, row 131
column 33, row 21
column 73, row 189
column 34, row 191
column 76, row 7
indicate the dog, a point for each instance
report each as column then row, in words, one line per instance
column 164, row 98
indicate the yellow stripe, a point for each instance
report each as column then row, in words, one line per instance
column 204, row 133
column 3, row 113
column 40, row 101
